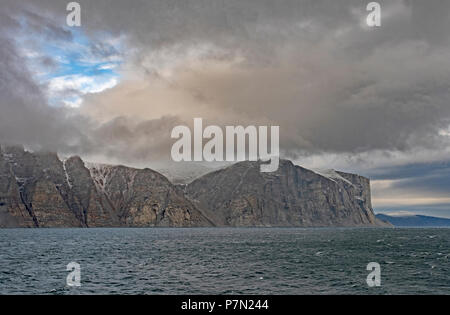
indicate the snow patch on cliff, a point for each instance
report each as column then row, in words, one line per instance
column 66, row 174
column 99, row 174
column 331, row 175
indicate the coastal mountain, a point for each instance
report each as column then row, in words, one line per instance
column 41, row 190
column 241, row 195
column 414, row 220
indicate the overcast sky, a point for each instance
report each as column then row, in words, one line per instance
column 375, row 101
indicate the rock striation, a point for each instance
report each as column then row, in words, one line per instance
column 41, row 190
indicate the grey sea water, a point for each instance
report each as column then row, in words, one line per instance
column 225, row 261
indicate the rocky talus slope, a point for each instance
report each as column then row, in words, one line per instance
column 41, row 190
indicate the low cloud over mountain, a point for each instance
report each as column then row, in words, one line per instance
column 344, row 95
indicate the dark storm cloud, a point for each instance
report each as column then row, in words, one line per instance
column 411, row 171
column 341, row 87
column 431, row 179
column 27, row 119
column 312, row 67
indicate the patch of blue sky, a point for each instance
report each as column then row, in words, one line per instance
column 79, row 66
column 77, row 58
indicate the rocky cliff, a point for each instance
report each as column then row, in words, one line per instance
column 41, row 190
column 241, row 195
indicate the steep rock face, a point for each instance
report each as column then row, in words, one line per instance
column 143, row 197
column 241, row 195
column 12, row 211
column 40, row 190
column 94, row 207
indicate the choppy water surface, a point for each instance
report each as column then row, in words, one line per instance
column 225, row 261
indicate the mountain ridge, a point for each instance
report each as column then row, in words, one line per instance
column 40, row 190
column 292, row 196
column 415, row 220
